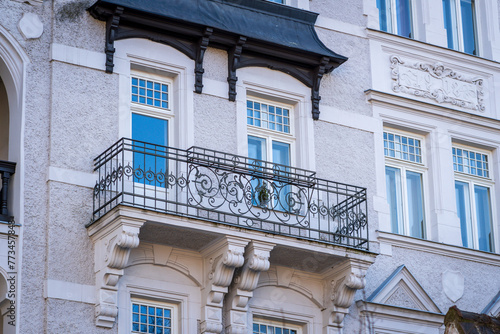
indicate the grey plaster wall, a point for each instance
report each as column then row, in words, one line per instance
column 31, row 317
column 81, row 130
column 74, row 26
column 70, row 250
column 344, row 87
column 342, row 10
column 215, row 64
column 72, row 317
column 215, row 123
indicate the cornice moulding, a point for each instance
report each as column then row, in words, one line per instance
column 437, row 248
column 417, row 106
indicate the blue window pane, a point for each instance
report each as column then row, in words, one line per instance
column 463, row 212
column 168, row 323
column 144, row 319
column 149, row 102
column 415, row 204
column 393, row 186
column 142, row 83
column 154, row 131
column 144, row 328
column 384, row 15
column 149, row 85
column 135, row 308
column 152, row 329
column 157, row 86
column 159, row 312
column 157, row 103
column 135, row 317
column 164, row 105
column 167, row 331
column 151, row 320
column 483, row 218
column 159, row 330
column 135, row 327
column 255, row 327
column 256, row 106
column 159, row 321
column 167, row 313
column 403, row 18
column 135, row 81
column 164, row 88
column 468, row 26
column 144, row 309
column 256, row 148
column 249, row 104
column 142, row 99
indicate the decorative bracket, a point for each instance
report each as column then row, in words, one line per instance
column 111, row 32
column 112, row 246
column 233, row 59
column 221, row 259
column 318, row 75
column 345, row 280
column 200, row 53
column 256, row 260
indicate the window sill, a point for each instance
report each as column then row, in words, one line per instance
column 459, row 252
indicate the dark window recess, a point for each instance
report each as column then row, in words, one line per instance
column 254, row 33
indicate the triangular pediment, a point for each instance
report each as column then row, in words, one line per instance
column 401, row 289
column 493, row 307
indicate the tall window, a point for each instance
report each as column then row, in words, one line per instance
column 395, row 16
column 150, row 97
column 157, row 318
column 404, row 172
column 473, row 197
column 460, row 23
column 270, row 138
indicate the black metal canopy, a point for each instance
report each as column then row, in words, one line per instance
column 254, row 33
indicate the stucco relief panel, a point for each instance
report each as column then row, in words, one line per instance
column 437, row 82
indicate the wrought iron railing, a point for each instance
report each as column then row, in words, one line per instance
column 6, row 170
column 229, row 189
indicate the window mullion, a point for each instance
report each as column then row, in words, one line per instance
column 394, row 17
column 473, row 214
column 405, row 204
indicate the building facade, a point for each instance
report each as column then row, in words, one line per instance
column 228, row 166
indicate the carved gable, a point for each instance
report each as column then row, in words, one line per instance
column 403, row 290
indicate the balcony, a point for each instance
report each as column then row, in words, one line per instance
column 232, row 190
column 6, row 170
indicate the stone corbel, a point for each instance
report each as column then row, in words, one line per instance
column 341, row 285
column 221, row 259
column 112, row 245
column 111, row 31
column 234, row 58
column 200, row 53
column 256, row 260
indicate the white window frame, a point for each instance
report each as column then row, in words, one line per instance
column 274, row 135
column 392, row 16
column 151, row 111
column 136, row 54
column 487, row 182
column 410, row 166
column 456, row 19
column 143, row 301
column 282, row 324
